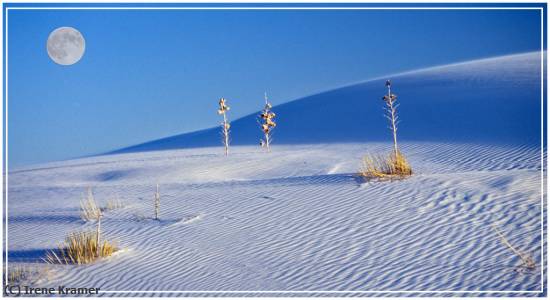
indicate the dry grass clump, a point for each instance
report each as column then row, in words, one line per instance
column 113, row 204
column 89, row 211
column 380, row 167
column 527, row 261
column 17, row 274
column 24, row 274
column 80, row 248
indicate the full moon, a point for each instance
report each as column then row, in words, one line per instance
column 65, row 46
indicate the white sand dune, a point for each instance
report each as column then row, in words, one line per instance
column 299, row 219
column 282, row 222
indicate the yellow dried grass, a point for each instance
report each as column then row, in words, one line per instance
column 80, row 248
column 380, row 167
column 25, row 274
column 17, row 274
column 113, row 204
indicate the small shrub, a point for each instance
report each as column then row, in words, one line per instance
column 377, row 166
column 89, row 211
column 80, row 248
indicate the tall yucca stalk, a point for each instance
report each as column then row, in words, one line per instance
column 268, row 123
column 225, row 125
column 391, row 114
column 395, row 165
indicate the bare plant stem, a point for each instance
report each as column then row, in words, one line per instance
column 267, row 133
column 267, row 142
column 98, row 236
column 225, row 134
column 526, row 260
column 393, row 117
column 157, row 203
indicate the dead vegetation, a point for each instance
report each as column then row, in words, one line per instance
column 267, row 124
column 527, row 261
column 222, row 110
column 113, row 204
column 17, row 274
column 394, row 165
column 24, row 274
column 80, row 248
column 89, row 210
column 380, row 167
column 156, row 204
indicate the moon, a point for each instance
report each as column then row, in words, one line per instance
column 66, row 46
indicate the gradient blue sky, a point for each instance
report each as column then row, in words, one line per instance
column 150, row 74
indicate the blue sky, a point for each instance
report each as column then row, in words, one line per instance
column 151, row 74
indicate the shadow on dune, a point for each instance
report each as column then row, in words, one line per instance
column 322, row 179
column 44, row 219
column 27, row 256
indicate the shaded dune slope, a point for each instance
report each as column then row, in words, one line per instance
column 495, row 100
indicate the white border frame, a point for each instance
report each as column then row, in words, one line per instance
column 267, row 7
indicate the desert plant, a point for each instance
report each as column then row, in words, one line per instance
column 268, row 124
column 98, row 234
column 16, row 274
column 89, row 210
column 395, row 165
column 25, row 274
column 374, row 166
column 391, row 113
column 527, row 261
column 222, row 110
column 377, row 166
column 113, row 204
column 80, row 248
column 157, row 203
column 399, row 165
